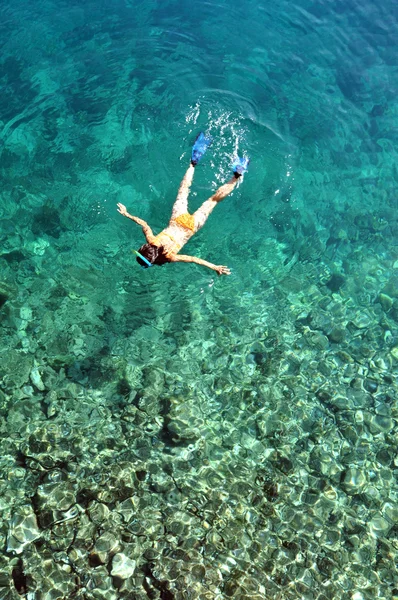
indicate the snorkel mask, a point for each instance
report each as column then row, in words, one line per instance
column 144, row 259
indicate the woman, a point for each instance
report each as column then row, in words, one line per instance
column 164, row 247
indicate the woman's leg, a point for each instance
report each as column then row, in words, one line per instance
column 181, row 204
column 201, row 215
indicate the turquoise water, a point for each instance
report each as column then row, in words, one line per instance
column 169, row 433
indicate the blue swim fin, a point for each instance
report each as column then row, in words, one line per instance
column 199, row 148
column 240, row 165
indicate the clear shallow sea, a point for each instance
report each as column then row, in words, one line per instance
column 168, row 433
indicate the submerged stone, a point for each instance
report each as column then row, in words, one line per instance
column 353, row 480
column 122, row 566
column 386, row 302
column 335, row 282
column 7, row 291
column 370, row 385
column 15, row 368
column 379, row 526
column 36, row 379
column 106, row 545
column 337, row 335
column 380, row 423
column 22, row 531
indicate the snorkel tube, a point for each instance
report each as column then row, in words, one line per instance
column 144, row 259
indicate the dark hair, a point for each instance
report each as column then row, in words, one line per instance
column 155, row 255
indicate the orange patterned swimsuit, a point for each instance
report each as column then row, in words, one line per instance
column 170, row 244
column 186, row 220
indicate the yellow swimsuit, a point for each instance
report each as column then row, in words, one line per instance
column 187, row 222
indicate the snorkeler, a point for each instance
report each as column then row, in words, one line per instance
column 164, row 247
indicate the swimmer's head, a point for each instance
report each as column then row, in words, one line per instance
column 149, row 255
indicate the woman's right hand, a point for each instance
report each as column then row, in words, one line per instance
column 223, row 270
column 122, row 209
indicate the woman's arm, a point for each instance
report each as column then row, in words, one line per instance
column 193, row 259
column 145, row 227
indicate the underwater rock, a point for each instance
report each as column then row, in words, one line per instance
column 353, row 480
column 380, row 423
column 25, row 315
column 390, row 512
column 180, row 431
column 386, row 302
column 184, row 421
column 391, row 288
column 370, row 385
column 394, row 352
column 98, row 512
column 319, row 341
column 384, row 457
column 106, row 546
column 337, row 334
column 23, row 530
column 7, row 291
column 133, row 376
column 38, row 246
column 335, row 282
column 330, row 538
column 100, row 585
column 322, row 463
column 36, row 379
column 57, row 500
column 362, row 320
column 15, row 368
column 394, row 311
column 379, row 526
column 122, row 566
column 47, row 220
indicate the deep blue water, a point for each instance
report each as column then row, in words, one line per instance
column 234, row 437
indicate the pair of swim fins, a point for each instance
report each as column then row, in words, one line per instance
column 239, row 166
